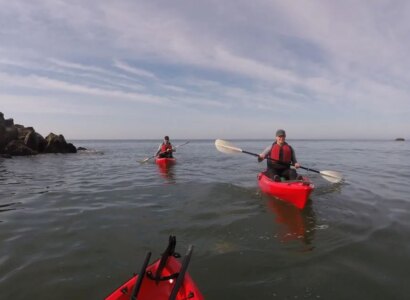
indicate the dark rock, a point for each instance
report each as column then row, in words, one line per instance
column 54, row 143
column 71, row 148
column 8, row 122
column 400, row 139
column 17, row 147
column 35, row 141
column 42, row 143
column 23, row 131
column 11, row 134
column 2, row 138
column 16, row 139
column 58, row 144
column 5, row 156
column 81, row 149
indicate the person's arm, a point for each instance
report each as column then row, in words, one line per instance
column 264, row 153
column 293, row 158
column 159, row 150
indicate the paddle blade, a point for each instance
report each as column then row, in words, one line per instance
column 332, row 176
column 226, row 147
column 145, row 160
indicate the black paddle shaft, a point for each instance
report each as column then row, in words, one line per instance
column 304, row 168
column 141, row 276
column 181, row 274
column 268, row 158
column 167, row 253
column 254, row 154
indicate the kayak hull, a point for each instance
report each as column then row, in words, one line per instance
column 296, row 192
column 161, row 290
column 165, row 161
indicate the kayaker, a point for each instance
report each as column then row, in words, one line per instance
column 283, row 155
column 165, row 148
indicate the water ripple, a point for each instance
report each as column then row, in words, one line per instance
column 77, row 225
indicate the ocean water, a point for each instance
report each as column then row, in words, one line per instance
column 77, row 226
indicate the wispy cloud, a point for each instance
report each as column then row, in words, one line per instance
column 234, row 57
column 89, row 69
column 133, row 70
column 47, row 84
column 46, row 105
column 77, row 66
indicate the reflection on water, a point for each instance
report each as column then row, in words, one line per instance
column 295, row 224
column 167, row 172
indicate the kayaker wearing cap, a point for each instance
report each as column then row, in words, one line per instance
column 284, row 154
column 165, row 148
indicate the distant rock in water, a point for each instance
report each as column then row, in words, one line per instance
column 16, row 139
column 400, row 139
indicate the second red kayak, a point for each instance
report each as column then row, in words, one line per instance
column 165, row 161
column 296, row 192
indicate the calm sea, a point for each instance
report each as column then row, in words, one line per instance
column 77, row 226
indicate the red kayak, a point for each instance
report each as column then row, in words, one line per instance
column 296, row 192
column 165, row 279
column 165, row 161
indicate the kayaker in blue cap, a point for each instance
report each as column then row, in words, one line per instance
column 282, row 156
column 165, row 149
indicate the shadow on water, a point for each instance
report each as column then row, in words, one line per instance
column 295, row 224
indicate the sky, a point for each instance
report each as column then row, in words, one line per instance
column 132, row 69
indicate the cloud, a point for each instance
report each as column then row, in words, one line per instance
column 35, row 82
column 133, row 70
column 45, row 105
column 81, row 67
column 237, row 57
column 89, row 69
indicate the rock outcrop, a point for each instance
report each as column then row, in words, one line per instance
column 16, row 139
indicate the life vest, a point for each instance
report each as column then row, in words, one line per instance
column 165, row 147
column 281, row 153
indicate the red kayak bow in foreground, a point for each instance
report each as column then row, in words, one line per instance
column 165, row 279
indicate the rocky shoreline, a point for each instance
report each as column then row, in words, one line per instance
column 18, row 140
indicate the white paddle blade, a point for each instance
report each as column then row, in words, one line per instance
column 145, row 160
column 226, row 147
column 332, row 176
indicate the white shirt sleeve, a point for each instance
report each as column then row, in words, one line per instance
column 266, row 151
column 159, row 150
